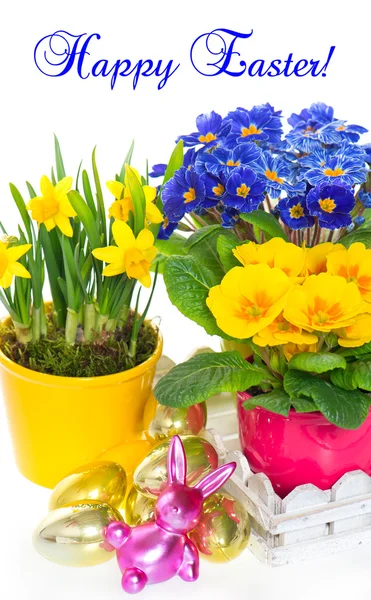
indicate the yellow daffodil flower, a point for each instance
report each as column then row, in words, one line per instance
column 282, row 332
column 316, row 257
column 275, row 253
column 290, row 350
column 354, row 265
column 132, row 256
column 324, row 302
column 53, row 207
column 357, row 334
column 248, row 299
column 9, row 265
column 120, row 209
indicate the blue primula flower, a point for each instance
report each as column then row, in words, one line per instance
column 244, row 191
column 339, row 168
column 158, row 170
column 210, row 130
column 182, row 193
column 273, row 171
column 166, row 229
column 230, row 216
column 261, row 123
column 214, row 189
column 294, row 213
column 367, row 150
column 332, row 205
column 190, row 157
column 365, row 198
column 224, row 161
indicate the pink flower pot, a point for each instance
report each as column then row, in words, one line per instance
column 301, row 448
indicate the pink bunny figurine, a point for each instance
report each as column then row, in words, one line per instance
column 157, row 551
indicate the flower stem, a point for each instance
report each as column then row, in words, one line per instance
column 89, row 321
column 111, row 325
column 123, row 316
column 72, row 322
column 101, row 321
column 23, row 333
column 36, row 323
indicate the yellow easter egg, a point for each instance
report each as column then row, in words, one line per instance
column 224, row 529
column 129, row 455
column 169, row 421
column 101, row 481
column 74, row 535
column 151, row 475
column 138, row 508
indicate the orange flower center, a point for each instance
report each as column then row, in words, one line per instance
column 246, row 131
column 341, row 128
column 297, row 211
column 328, row 205
column 205, row 139
column 231, row 163
column 218, row 190
column 272, row 175
column 243, row 190
column 334, row 172
column 190, row 195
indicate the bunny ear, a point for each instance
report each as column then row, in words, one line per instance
column 176, row 462
column 215, row 480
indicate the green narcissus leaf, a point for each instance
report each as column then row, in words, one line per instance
column 266, row 222
column 346, row 409
column 356, row 375
column 313, row 362
column 138, row 198
column 203, row 245
column 205, row 375
column 188, row 283
column 276, row 401
column 225, row 246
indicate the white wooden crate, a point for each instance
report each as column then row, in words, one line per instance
column 309, row 522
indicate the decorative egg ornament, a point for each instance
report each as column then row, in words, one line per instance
column 151, row 475
column 100, row 481
column 138, row 508
column 224, row 529
column 74, row 535
column 170, row 421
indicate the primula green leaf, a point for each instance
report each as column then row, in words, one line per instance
column 59, row 160
column 356, row 352
column 188, row 283
column 356, row 375
column 204, row 375
column 346, row 409
column 302, row 405
column 203, row 245
column 139, row 200
column 174, row 245
column 276, row 401
column 266, row 222
column 225, row 246
column 313, row 362
column 361, row 235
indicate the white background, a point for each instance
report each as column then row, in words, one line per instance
column 85, row 113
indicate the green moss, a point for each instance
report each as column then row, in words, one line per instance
column 106, row 354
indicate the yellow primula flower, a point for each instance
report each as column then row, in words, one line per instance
column 123, row 205
column 290, row 350
column 357, row 334
column 53, row 207
column 324, row 302
column 282, row 332
column 275, row 253
column 248, row 299
column 354, row 265
column 132, row 256
column 9, row 265
column 316, row 257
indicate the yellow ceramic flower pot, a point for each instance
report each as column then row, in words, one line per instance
column 60, row 423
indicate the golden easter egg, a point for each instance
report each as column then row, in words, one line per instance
column 129, row 454
column 169, row 421
column 101, row 481
column 224, row 529
column 74, row 535
column 138, row 508
column 151, row 475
